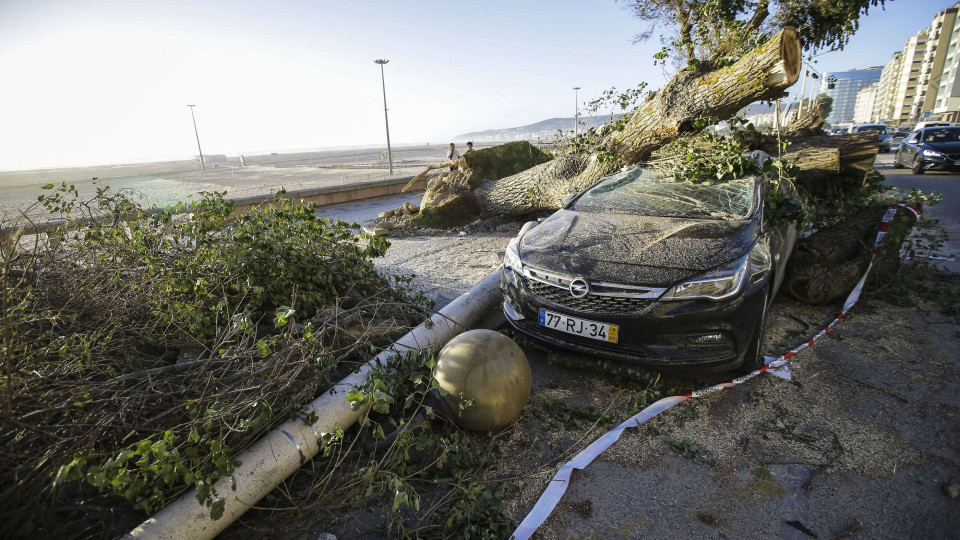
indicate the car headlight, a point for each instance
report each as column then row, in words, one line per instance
column 932, row 153
column 511, row 257
column 725, row 281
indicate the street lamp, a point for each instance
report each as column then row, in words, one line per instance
column 576, row 111
column 202, row 166
column 385, row 119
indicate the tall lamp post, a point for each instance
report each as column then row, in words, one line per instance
column 385, row 119
column 202, row 166
column 576, row 111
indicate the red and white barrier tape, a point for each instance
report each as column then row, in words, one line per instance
column 931, row 257
column 558, row 486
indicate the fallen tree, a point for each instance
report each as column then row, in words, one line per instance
column 761, row 74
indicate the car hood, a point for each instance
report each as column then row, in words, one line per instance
column 644, row 250
column 952, row 147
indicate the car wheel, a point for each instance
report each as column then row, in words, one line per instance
column 896, row 161
column 753, row 359
column 917, row 165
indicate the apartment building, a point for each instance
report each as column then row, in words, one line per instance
column 934, row 57
column 947, row 103
column 922, row 81
column 905, row 88
column 866, row 98
column 886, row 91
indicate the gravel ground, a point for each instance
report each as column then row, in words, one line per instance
column 862, row 439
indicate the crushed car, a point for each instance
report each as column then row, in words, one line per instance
column 652, row 271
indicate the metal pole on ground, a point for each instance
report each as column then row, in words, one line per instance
column 385, row 119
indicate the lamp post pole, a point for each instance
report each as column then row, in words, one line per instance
column 576, row 111
column 202, row 166
column 385, row 119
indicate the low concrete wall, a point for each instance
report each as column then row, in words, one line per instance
column 322, row 196
column 327, row 195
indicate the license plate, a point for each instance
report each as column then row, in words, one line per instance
column 956, row 162
column 579, row 327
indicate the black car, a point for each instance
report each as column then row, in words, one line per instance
column 930, row 149
column 653, row 271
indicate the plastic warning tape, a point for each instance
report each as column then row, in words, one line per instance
column 558, row 486
column 931, row 257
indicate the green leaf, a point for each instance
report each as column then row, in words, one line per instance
column 216, row 509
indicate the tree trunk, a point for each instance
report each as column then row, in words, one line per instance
column 763, row 74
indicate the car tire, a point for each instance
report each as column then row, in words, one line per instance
column 896, row 161
column 917, row 165
column 753, row 359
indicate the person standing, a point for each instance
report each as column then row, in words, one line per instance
column 469, row 148
column 453, row 154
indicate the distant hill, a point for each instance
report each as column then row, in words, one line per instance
column 544, row 130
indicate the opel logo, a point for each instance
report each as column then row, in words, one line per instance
column 579, row 288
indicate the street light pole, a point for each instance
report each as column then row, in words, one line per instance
column 385, row 119
column 576, row 111
column 202, row 166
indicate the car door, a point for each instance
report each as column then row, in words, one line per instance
column 908, row 148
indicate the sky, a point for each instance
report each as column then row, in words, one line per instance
column 104, row 82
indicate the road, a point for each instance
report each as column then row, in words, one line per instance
column 947, row 212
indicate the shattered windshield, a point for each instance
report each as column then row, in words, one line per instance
column 644, row 192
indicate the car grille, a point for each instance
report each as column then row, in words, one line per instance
column 603, row 297
column 953, row 157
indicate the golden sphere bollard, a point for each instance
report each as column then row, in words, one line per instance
column 488, row 368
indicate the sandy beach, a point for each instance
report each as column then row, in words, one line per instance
column 167, row 182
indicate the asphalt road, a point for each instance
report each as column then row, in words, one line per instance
column 947, row 212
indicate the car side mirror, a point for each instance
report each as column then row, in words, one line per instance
column 791, row 207
column 913, row 140
column 567, row 200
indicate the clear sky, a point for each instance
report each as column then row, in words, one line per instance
column 100, row 82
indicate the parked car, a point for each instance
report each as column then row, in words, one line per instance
column 930, row 149
column 884, row 138
column 654, row 272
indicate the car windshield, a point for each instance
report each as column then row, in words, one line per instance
column 644, row 192
column 878, row 129
column 944, row 134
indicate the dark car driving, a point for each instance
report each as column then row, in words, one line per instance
column 930, row 149
column 653, row 271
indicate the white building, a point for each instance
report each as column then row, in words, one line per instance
column 866, row 98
